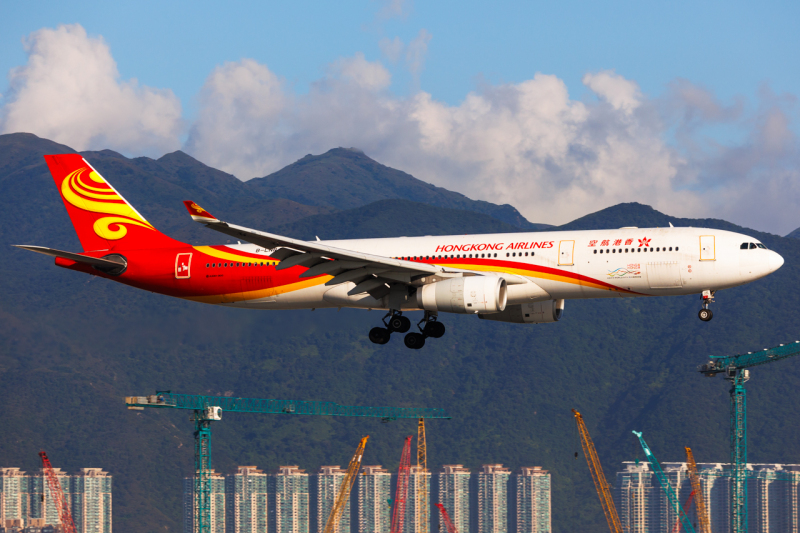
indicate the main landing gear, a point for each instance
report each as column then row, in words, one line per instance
column 394, row 321
column 705, row 313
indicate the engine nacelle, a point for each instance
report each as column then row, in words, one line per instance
column 471, row 294
column 533, row 313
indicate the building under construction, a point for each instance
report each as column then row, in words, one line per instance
column 773, row 505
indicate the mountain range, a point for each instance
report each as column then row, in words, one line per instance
column 71, row 347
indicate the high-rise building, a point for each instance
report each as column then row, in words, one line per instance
column 288, row 505
column 327, row 483
column 217, row 503
column 374, row 494
column 772, row 497
column 14, row 496
column 91, row 501
column 43, row 506
column 453, row 493
column 533, row 511
column 493, row 499
column 417, row 501
column 246, row 501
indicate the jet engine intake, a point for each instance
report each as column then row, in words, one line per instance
column 471, row 294
column 532, row 313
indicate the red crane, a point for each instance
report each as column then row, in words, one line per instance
column 399, row 511
column 451, row 528
column 67, row 524
column 686, row 506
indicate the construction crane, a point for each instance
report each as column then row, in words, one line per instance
column 401, row 494
column 677, row 527
column 734, row 368
column 697, row 490
column 347, row 486
column 451, row 528
column 67, row 524
column 599, row 478
column 665, row 485
column 207, row 409
column 422, row 469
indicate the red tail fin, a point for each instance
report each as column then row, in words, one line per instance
column 102, row 218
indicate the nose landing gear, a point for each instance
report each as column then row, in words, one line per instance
column 705, row 313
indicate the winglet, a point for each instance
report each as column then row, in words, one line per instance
column 198, row 213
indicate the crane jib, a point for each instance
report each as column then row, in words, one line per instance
column 268, row 406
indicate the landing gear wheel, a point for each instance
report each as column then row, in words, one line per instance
column 399, row 323
column 415, row 341
column 434, row 329
column 705, row 315
column 379, row 335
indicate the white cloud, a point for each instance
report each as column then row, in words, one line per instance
column 392, row 49
column 239, row 125
column 70, row 91
column 527, row 144
column 416, row 52
column 622, row 94
column 369, row 75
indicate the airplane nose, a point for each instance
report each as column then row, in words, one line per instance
column 775, row 261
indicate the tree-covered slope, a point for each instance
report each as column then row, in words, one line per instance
column 345, row 178
column 71, row 347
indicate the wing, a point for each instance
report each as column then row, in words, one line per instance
column 374, row 274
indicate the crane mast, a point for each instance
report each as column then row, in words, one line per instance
column 665, row 485
column 401, row 494
column 697, row 490
column 735, row 370
column 67, row 524
column 347, row 485
column 422, row 469
column 599, row 478
column 207, row 409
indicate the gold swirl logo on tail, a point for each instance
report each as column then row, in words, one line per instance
column 87, row 190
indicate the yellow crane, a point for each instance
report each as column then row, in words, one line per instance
column 422, row 468
column 699, row 499
column 347, row 485
column 598, row 477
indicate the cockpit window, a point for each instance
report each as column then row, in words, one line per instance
column 743, row 246
column 761, row 246
column 753, row 246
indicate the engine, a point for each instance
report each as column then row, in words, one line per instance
column 533, row 313
column 471, row 294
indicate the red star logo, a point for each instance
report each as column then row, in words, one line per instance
column 644, row 242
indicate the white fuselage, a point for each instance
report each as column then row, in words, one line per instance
column 624, row 262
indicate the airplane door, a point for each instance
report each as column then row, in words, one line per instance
column 707, row 248
column 183, row 263
column 565, row 249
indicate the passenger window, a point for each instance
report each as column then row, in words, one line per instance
column 670, row 248
column 495, row 255
column 676, row 248
column 658, row 249
column 226, row 264
column 743, row 246
column 626, row 250
column 601, row 251
column 753, row 246
column 595, row 251
column 613, row 250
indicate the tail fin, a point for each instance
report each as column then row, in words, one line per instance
column 102, row 218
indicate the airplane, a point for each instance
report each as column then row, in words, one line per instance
column 522, row 278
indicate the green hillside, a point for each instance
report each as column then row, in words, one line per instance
column 72, row 346
column 345, row 178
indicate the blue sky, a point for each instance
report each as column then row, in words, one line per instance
column 703, row 94
column 731, row 47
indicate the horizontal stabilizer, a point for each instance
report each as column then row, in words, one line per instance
column 95, row 261
column 198, row 213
